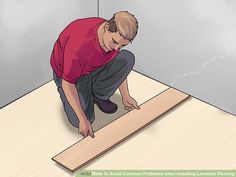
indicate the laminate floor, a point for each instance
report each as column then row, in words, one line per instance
column 194, row 135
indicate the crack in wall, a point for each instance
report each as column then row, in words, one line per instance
column 204, row 65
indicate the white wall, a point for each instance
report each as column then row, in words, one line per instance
column 28, row 30
column 187, row 44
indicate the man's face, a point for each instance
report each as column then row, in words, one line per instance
column 114, row 41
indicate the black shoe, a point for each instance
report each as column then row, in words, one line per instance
column 105, row 105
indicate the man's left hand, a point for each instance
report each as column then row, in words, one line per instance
column 130, row 103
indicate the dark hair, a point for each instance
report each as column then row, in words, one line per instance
column 112, row 24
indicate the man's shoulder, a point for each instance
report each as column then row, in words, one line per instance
column 80, row 31
column 91, row 21
column 81, row 27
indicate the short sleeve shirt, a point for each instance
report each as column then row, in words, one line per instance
column 77, row 51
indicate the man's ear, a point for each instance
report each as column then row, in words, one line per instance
column 106, row 26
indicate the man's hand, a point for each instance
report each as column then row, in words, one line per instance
column 85, row 128
column 130, row 103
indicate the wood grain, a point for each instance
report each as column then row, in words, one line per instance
column 119, row 130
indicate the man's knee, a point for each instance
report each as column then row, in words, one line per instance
column 126, row 58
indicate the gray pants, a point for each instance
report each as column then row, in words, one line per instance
column 102, row 83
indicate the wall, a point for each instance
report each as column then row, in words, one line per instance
column 28, row 31
column 187, row 44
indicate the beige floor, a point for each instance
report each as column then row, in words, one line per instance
column 194, row 135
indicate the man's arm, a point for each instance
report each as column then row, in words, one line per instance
column 74, row 100
column 127, row 100
column 123, row 88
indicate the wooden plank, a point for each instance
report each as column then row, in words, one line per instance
column 119, row 130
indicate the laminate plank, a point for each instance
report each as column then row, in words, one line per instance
column 119, row 130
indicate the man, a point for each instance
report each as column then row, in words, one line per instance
column 88, row 66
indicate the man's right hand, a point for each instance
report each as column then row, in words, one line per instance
column 73, row 98
column 85, row 128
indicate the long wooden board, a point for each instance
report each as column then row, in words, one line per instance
column 88, row 149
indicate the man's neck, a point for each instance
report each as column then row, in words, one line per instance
column 100, row 32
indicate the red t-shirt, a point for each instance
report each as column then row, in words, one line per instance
column 77, row 50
